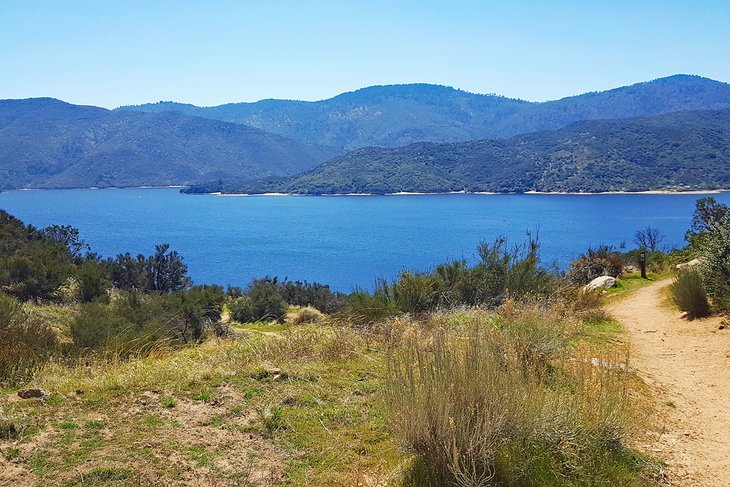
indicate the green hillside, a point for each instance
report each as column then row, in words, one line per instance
column 46, row 143
column 677, row 151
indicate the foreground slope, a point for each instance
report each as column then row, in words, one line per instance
column 397, row 115
column 46, row 143
column 674, row 151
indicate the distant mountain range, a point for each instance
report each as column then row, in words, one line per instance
column 398, row 115
column 677, row 151
column 46, row 143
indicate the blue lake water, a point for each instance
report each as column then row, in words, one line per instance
column 344, row 241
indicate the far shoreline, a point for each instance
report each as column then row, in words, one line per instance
column 537, row 193
column 399, row 193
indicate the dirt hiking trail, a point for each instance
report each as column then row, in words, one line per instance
column 687, row 366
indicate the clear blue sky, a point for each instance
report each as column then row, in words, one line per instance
column 115, row 52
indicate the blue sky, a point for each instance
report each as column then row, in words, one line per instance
column 110, row 53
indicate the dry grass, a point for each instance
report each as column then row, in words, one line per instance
column 501, row 399
column 305, row 405
column 303, row 315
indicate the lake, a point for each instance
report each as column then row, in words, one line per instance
column 345, row 241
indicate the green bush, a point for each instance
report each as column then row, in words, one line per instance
column 261, row 302
column 98, row 326
column 499, row 274
column 92, row 281
column 415, row 293
column 316, row 295
column 242, row 310
column 267, row 304
column 365, row 308
column 688, row 293
column 32, row 264
column 709, row 237
column 137, row 323
column 714, row 266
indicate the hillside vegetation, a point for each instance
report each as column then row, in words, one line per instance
column 679, row 151
column 46, row 143
column 498, row 373
column 398, row 115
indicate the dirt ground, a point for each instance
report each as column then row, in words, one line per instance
column 687, row 364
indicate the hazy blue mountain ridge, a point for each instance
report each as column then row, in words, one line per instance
column 397, row 115
column 47, row 143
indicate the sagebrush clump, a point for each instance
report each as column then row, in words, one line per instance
column 688, row 293
column 486, row 399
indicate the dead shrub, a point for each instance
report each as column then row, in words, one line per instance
column 303, row 316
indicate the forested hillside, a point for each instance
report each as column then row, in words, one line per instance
column 46, row 143
column 677, row 151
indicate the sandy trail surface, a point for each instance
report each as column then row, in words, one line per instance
column 687, row 366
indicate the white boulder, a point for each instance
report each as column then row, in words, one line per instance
column 599, row 283
column 688, row 264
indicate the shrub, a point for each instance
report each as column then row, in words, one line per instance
column 499, row 273
column 316, row 295
column 32, row 264
column 304, row 316
column 242, row 310
column 364, row 308
column 164, row 271
column 415, row 293
column 688, row 293
column 602, row 261
column 92, row 282
column 494, row 400
column 195, row 312
column 261, row 302
column 25, row 344
column 714, row 266
column 138, row 323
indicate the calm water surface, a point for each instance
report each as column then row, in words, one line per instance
column 343, row 241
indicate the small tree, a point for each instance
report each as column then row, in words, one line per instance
column 649, row 238
column 68, row 236
column 166, row 271
column 92, row 280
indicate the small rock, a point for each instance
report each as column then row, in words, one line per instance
column 33, row 393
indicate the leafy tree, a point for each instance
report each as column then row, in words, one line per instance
column 710, row 236
column 709, row 215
